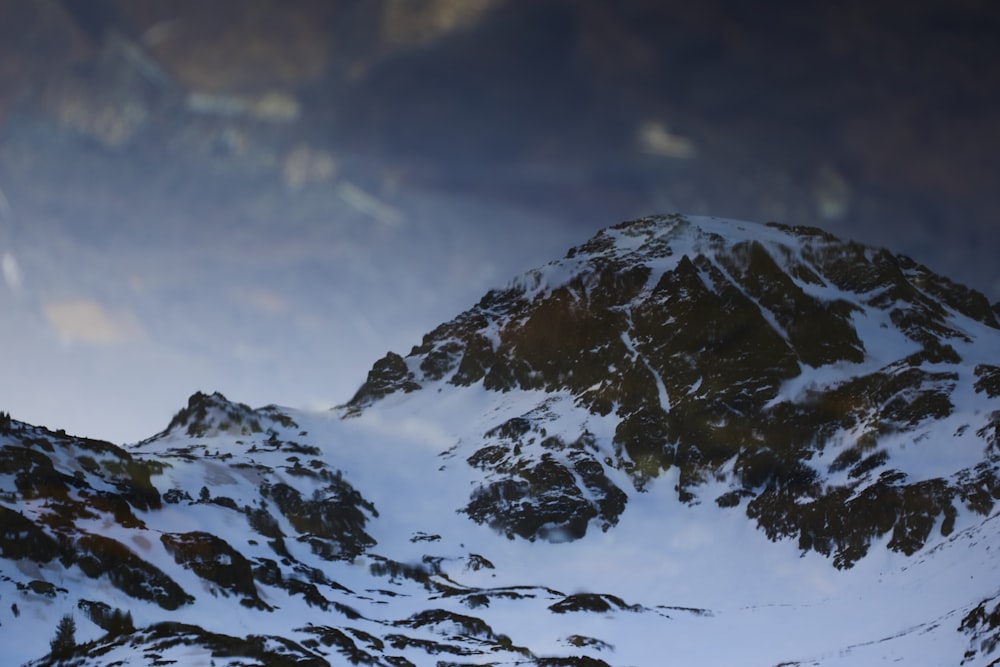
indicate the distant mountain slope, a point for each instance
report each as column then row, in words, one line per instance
column 755, row 444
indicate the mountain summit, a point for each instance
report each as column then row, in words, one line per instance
column 755, row 444
column 795, row 366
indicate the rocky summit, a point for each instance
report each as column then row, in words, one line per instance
column 689, row 441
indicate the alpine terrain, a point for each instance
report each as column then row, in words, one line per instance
column 687, row 442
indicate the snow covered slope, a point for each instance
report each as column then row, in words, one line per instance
column 690, row 441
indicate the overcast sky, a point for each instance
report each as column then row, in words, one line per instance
column 170, row 224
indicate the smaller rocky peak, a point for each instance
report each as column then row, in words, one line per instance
column 388, row 375
column 208, row 415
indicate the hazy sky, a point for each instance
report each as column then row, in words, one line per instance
column 169, row 223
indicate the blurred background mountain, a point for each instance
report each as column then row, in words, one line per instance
column 262, row 197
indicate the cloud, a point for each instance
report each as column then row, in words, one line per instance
column 89, row 322
column 11, row 272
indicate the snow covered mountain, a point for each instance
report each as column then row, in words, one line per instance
column 690, row 441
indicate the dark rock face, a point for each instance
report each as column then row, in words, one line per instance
column 687, row 338
column 536, row 495
column 388, row 375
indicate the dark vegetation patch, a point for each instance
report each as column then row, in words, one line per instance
column 43, row 588
column 132, row 477
column 21, row 538
column 476, row 562
column 988, row 380
column 694, row 611
column 304, row 450
column 252, row 651
column 575, row 661
column 447, row 622
column 396, row 571
column 868, row 464
column 401, row 642
column 344, row 644
column 80, row 495
column 460, row 627
column 305, row 582
column 991, row 432
column 848, row 457
column 421, row 536
column 592, row 602
column 225, row 501
column 581, row 641
column 113, row 504
column 263, row 522
column 35, row 475
column 332, row 521
column 733, row 498
column 481, row 597
column 98, row 556
column 95, row 555
column 114, row 621
column 214, row 560
column 982, row 624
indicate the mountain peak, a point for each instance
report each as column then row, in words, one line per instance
column 796, row 284
column 780, row 358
